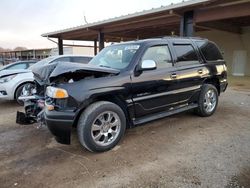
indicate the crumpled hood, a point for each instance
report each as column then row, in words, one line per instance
column 48, row 72
column 42, row 73
column 67, row 68
column 4, row 73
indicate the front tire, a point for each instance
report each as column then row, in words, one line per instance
column 208, row 101
column 19, row 92
column 101, row 126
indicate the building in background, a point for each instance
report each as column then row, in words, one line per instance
column 75, row 50
column 12, row 56
column 226, row 22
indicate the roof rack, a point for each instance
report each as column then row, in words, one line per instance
column 171, row 36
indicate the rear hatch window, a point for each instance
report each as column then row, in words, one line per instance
column 209, row 50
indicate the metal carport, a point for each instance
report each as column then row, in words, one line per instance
column 184, row 19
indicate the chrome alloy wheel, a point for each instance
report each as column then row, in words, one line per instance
column 210, row 100
column 106, row 128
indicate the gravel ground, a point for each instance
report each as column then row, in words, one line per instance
column 179, row 151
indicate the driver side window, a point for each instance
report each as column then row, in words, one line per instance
column 159, row 54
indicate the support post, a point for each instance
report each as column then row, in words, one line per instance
column 95, row 47
column 34, row 54
column 60, row 46
column 101, row 40
column 186, row 24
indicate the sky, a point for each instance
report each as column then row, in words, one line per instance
column 23, row 21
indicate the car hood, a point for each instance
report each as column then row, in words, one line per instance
column 4, row 73
column 50, row 72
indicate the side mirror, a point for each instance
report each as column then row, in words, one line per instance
column 148, row 65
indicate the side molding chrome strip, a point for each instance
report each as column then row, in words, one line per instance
column 167, row 93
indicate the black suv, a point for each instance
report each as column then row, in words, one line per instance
column 132, row 83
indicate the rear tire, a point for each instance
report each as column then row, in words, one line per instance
column 208, row 100
column 101, row 126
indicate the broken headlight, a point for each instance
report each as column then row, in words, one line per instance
column 56, row 93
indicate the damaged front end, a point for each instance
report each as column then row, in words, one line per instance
column 54, row 75
column 33, row 106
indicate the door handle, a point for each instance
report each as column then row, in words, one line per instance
column 173, row 76
column 200, row 71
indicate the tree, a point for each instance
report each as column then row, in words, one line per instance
column 4, row 49
column 20, row 48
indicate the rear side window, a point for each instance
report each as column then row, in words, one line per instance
column 186, row 54
column 81, row 59
column 209, row 50
column 62, row 59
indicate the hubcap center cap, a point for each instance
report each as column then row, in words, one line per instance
column 105, row 127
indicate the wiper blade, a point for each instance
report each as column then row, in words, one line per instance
column 104, row 66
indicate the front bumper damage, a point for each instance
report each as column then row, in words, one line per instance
column 33, row 106
column 23, row 119
column 60, row 124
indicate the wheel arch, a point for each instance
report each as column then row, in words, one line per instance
column 110, row 98
column 20, row 84
column 215, row 82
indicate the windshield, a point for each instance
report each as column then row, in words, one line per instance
column 43, row 62
column 116, row 56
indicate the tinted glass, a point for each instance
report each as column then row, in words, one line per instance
column 81, row 59
column 209, row 50
column 17, row 66
column 186, row 54
column 159, row 54
column 64, row 59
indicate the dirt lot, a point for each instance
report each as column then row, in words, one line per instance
column 180, row 151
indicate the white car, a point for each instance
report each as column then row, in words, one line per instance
column 12, row 81
column 13, row 77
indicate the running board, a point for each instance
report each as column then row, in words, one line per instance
column 163, row 114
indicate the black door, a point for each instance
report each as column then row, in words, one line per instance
column 153, row 90
column 190, row 72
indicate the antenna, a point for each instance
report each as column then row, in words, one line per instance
column 84, row 17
